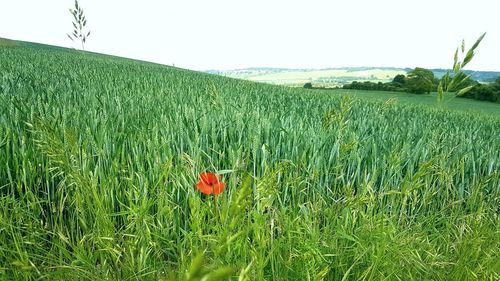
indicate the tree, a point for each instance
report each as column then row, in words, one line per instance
column 420, row 80
column 399, row 79
column 308, row 85
column 488, row 92
column 497, row 82
column 79, row 23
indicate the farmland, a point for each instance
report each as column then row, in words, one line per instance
column 335, row 77
column 99, row 158
column 320, row 77
column 451, row 102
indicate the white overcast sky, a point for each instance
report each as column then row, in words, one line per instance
column 229, row 34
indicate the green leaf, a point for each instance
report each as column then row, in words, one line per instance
column 464, row 91
column 478, row 41
column 456, row 80
column 455, row 58
column 456, row 67
column 468, row 57
column 223, row 172
column 440, row 91
column 221, row 274
column 196, row 270
column 445, row 80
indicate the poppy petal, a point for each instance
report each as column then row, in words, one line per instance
column 209, row 178
column 218, row 188
column 204, row 188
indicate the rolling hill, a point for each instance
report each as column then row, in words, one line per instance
column 333, row 77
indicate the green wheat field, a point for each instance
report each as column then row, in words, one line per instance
column 100, row 156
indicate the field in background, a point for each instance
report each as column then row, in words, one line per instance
column 335, row 77
column 320, row 78
column 99, row 157
column 451, row 101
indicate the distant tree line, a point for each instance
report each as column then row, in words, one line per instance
column 422, row 81
column 372, row 86
column 487, row 92
column 417, row 81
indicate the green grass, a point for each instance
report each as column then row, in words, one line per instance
column 428, row 100
column 7, row 43
column 99, row 157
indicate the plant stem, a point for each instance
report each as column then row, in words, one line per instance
column 216, row 209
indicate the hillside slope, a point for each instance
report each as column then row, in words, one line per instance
column 100, row 157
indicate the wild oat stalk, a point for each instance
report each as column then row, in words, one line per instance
column 456, row 83
column 79, row 23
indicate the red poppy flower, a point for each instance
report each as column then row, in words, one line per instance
column 209, row 183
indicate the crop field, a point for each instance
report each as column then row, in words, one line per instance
column 319, row 77
column 451, row 102
column 335, row 77
column 100, row 160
